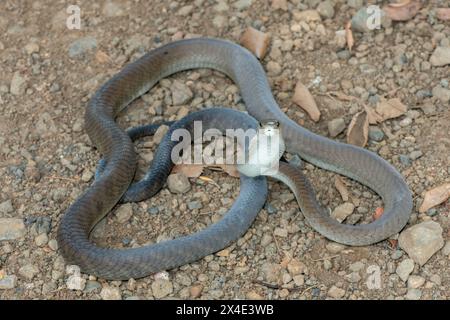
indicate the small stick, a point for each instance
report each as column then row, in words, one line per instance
column 266, row 284
column 326, row 258
column 274, row 286
column 276, row 243
column 63, row 178
column 307, row 289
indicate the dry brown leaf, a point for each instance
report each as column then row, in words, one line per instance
column 349, row 35
column 341, row 187
column 102, row 57
column 189, row 170
column 279, row 4
column 230, row 169
column 393, row 243
column 303, row 98
column 443, row 13
column 435, row 197
column 400, row 3
column 378, row 213
column 358, row 130
column 209, row 180
column 391, row 108
column 402, row 11
column 374, row 117
column 255, row 41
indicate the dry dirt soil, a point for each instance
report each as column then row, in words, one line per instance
column 47, row 160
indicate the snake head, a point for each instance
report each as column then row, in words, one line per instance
column 269, row 127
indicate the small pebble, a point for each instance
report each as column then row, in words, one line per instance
column 404, row 269
column 124, row 212
column 336, row 293
column 414, row 294
column 415, row 282
column 110, row 293
column 11, row 229
column 8, row 282
column 161, row 288
column 178, row 183
column 192, row 205
column 81, row 46
column 336, row 126
column 41, row 240
column 28, row 271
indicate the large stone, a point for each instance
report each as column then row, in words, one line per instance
column 11, row 228
column 341, row 212
column 6, row 207
column 185, row 10
column 446, row 249
column 404, row 269
column 18, row 84
column 181, row 94
column 76, row 282
column 178, row 183
column 8, row 282
column 112, row 9
column 307, row 15
column 336, row 126
column 81, row 46
column 161, row 288
column 326, row 9
column 29, row 271
column 422, row 241
column 440, row 57
column 242, row 4
column 413, row 294
column 336, row 293
column 443, row 94
column 415, row 282
column 124, row 212
column 110, row 293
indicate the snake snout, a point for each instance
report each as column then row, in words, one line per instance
column 265, row 150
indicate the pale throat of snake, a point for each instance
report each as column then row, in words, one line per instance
column 265, row 150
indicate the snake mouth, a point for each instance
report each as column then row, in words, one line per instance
column 269, row 123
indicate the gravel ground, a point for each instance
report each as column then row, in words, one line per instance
column 49, row 73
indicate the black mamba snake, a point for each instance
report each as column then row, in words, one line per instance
column 116, row 146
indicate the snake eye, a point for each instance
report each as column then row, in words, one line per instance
column 269, row 124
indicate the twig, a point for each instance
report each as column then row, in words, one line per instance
column 326, row 258
column 307, row 289
column 63, row 178
column 275, row 286
column 266, row 284
column 276, row 243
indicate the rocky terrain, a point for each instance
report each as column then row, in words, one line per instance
column 49, row 72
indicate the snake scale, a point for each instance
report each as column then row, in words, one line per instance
column 118, row 150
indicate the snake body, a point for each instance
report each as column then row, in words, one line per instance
column 116, row 146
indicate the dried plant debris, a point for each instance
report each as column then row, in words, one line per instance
column 435, row 197
column 403, row 11
column 255, row 41
column 303, row 98
column 358, row 130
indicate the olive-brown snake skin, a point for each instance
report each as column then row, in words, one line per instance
column 246, row 71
